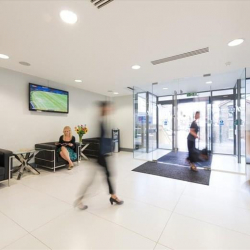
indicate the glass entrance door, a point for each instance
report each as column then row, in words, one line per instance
column 240, row 114
column 186, row 112
column 165, row 126
column 223, row 125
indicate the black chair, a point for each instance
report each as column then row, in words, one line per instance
column 4, row 164
column 48, row 157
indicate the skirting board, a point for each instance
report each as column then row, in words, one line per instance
column 126, row 149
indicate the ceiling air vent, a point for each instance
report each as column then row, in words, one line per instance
column 101, row 3
column 206, row 75
column 184, row 55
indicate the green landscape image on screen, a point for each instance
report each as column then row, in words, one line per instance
column 42, row 100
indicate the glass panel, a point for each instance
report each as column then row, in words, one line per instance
column 165, row 126
column 243, row 119
column 240, row 96
column 152, row 126
column 145, row 124
column 223, row 92
column 248, row 126
column 223, row 126
column 140, row 124
column 165, row 98
column 248, row 119
column 209, row 127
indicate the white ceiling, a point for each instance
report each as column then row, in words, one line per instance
column 103, row 45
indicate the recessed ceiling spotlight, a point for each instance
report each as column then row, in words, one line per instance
column 2, row 56
column 235, row 42
column 24, row 63
column 116, row 93
column 136, row 67
column 78, row 80
column 209, row 82
column 165, row 88
column 68, row 16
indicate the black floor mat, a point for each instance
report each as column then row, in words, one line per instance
column 179, row 158
column 202, row 176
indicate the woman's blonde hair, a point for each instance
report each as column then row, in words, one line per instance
column 70, row 132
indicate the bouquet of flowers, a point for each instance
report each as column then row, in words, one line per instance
column 81, row 130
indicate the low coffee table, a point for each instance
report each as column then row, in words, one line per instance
column 24, row 156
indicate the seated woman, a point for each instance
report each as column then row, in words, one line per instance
column 66, row 147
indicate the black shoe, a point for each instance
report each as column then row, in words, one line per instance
column 112, row 200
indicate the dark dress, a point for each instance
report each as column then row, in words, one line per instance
column 105, row 147
column 191, row 142
column 72, row 153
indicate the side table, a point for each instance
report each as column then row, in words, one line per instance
column 83, row 147
column 24, row 158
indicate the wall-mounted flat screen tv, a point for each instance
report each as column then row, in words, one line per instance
column 45, row 99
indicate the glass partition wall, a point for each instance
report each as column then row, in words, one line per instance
column 162, row 123
column 247, row 125
column 140, row 122
column 145, row 122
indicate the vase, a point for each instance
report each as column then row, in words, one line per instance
column 80, row 139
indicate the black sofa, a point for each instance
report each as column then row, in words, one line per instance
column 4, row 164
column 48, row 157
column 93, row 148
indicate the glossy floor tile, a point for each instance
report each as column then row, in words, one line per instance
column 131, row 215
column 10, row 231
column 82, row 230
column 220, row 214
column 161, row 247
column 158, row 213
column 27, row 242
column 228, row 163
column 30, row 208
column 187, row 233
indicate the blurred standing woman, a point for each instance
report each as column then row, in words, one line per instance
column 66, row 147
column 193, row 134
column 105, row 148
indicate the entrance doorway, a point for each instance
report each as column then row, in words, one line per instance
column 162, row 123
column 173, row 133
column 217, row 123
column 186, row 112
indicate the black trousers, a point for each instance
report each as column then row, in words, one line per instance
column 103, row 163
column 191, row 149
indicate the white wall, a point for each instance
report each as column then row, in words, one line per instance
column 123, row 119
column 21, row 128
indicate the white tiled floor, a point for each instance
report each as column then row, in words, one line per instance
column 228, row 163
column 159, row 213
column 154, row 155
